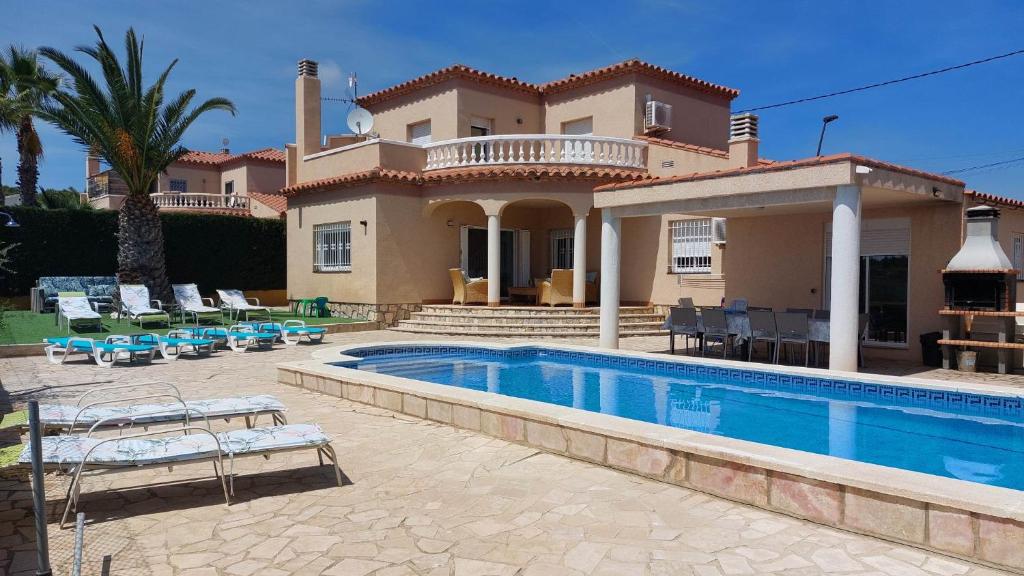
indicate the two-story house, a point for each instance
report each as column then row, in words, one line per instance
column 214, row 182
column 627, row 175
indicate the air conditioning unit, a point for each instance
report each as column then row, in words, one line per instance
column 657, row 116
column 718, row 230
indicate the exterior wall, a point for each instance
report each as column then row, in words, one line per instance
column 238, row 174
column 261, row 210
column 697, row 117
column 438, row 103
column 200, row 180
column 683, row 161
column 502, row 107
column 646, row 266
column 306, row 211
column 362, row 157
column 778, row 261
column 262, row 177
column 612, row 104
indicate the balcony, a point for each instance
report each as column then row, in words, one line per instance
column 199, row 202
column 536, row 149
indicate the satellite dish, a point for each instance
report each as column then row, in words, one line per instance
column 360, row 121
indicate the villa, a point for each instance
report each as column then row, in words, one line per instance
column 212, row 182
column 636, row 178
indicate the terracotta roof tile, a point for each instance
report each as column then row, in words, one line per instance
column 210, row 158
column 553, row 87
column 268, row 154
column 634, row 65
column 222, row 158
column 442, row 75
column 275, row 202
column 986, row 198
column 778, row 166
column 353, row 179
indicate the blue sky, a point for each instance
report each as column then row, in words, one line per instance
column 771, row 51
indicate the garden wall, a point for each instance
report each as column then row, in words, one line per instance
column 214, row 251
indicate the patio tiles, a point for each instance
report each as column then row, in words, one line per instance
column 423, row 499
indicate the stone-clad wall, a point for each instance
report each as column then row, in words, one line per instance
column 385, row 315
column 971, row 535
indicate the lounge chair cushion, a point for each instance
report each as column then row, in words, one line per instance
column 236, row 300
column 82, row 345
column 77, row 308
column 198, row 445
column 189, row 299
column 64, row 414
column 135, row 298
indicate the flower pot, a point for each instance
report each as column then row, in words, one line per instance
column 967, row 361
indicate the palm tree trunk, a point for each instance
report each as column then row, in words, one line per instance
column 28, row 161
column 140, row 254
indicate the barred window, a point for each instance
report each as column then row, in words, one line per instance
column 332, row 247
column 179, row 185
column 691, row 246
column 1018, row 254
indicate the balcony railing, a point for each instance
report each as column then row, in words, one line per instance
column 190, row 201
column 535, row 149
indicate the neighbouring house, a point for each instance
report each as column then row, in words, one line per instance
column 214, row 182
column 635, row 177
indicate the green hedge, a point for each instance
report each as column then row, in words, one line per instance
column 214, row 251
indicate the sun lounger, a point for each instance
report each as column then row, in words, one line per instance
column 137, row 306
column 192, row 304
column 77, row 310
column 291, row 331
column 176, row 343
column 235, row 303
column 237, row 337
column 105, row 353
column 132, row 452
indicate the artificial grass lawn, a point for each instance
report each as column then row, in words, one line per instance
column 25, row 327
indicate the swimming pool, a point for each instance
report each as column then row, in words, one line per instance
column 973, row 437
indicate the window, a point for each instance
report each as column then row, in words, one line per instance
column 480, row 127
column 332, row 247
column 229, row 187
column 579, row 150
column 1018, row 254
column 561, row 249
column 691, row 246
column 419, row 133
column 179, row 185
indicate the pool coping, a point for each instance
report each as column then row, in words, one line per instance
column 952, row 516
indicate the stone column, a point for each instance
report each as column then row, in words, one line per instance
column 579, row 262
column 493, row 260
column 845, row 281
column 610, row 256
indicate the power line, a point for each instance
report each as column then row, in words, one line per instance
column 979, row 167
column 886, row 83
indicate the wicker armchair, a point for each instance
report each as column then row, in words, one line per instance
column 474, row 292
column 558, row 290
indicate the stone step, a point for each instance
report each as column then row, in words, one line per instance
column 513, row 333
column 455, row 310
column 525, row 320
column 593, row 327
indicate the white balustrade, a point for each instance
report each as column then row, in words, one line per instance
column 536, row 149
column 190, row 201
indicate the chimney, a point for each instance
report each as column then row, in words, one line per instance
column 743, row 140
column 307, row 109
column 92, row 165
column 981, row 249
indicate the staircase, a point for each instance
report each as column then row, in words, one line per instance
column 528, row 321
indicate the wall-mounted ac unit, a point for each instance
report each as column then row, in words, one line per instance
column 657, row 116
column 718, row 230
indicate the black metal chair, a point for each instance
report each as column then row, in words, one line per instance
column 793, row 329
column 716, row 329
column 682, row 321
column 763, row 329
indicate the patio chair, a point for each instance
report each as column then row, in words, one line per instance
column 136, row 305
column 198, row 444
column 558, row 289
column 683, row 321
column 235, row 303
column 822, row 314
column 105, row 353
column 716, row 329
column 241, row 336
column 176, row 343
column 793, row 329
column 738, row 305
column 804, row 311
column 466, row 290
column 291, row 331
column 192, row 304
column 172, row 410
column 763, row 329
column 76, row 309
column 686, row 302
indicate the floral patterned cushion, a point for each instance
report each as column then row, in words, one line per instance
column 71, row 450
column 135, row 298
column 64, row 415
column 53, row 284
column 187, row 296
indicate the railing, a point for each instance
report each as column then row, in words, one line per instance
column 106, row 184
column 190, row 201
column 535, row 149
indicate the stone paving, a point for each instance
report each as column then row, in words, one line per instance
column 420, row 499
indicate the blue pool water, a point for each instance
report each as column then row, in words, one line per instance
column 959, row 435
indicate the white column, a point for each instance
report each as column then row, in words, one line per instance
column 608, row 386
column 493, row 260
column 579, row 388
column 845, row 281
column 610, row 256
column 579, row 262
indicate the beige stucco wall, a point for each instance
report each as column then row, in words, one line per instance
column 612, row 104
column 646, row 260
column 239, row 174
column 200, row 180
column 502, row 107
column 683, row 161
column 263, row 177
column 697, row 117
column 359, row 158
column 438, row 103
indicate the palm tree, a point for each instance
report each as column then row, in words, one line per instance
column 24, row 85
column 137, row 133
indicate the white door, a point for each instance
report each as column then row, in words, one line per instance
column 420, row 133
column 578, row 151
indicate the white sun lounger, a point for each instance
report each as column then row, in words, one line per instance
column 192, row 304
column 137, row 306
column 105, row 353
column 75, row 454
column 77, row 310
column 235, row 302
column 176, row 343
column 291, row 331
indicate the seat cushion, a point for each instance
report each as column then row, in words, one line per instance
column 64, row 414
